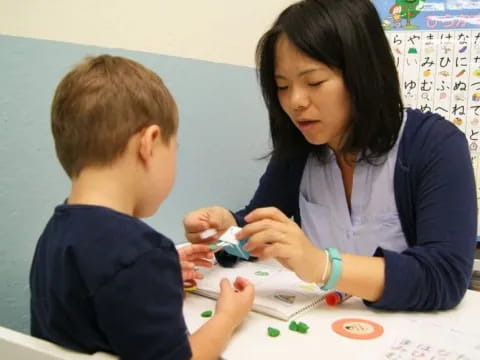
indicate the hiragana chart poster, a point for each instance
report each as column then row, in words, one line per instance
column 436, row 46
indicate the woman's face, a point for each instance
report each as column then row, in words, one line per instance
column 312, row 94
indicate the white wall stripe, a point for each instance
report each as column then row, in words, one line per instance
column 223, row 31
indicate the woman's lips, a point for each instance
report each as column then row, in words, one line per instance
column 306, row 124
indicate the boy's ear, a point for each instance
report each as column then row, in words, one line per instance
column 148, row 137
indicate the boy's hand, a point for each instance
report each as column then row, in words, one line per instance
column 214, row 217
column 191, row 256
column 235, row 302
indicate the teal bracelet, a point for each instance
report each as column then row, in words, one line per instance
column 335, row 269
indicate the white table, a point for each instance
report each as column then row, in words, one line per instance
column 252, row 342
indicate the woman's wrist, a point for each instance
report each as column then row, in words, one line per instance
column 334, row 259
column 323, row 271
column 314, row 266
column 326, row 268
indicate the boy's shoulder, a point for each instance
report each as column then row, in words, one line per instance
column 91, row 225
column 100, row 242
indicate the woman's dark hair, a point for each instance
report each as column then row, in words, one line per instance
column 346, row 35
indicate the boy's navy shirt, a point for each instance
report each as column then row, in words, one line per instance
column 105, row 281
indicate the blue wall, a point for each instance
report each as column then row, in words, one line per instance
column 223, row 129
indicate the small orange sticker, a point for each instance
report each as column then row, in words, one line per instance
column 357, row 329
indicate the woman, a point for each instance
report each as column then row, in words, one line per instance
column 382, row 199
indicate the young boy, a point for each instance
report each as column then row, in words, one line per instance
column 101, row 279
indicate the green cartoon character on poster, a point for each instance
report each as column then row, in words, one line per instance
column 403, row 9
column 410, row 9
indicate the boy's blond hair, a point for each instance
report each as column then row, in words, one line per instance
column 101, row 104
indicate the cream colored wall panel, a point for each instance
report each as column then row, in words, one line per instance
column 222, row 31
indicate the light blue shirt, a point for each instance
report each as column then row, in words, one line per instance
column 373, row 221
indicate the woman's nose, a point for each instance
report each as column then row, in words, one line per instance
column 299, row 99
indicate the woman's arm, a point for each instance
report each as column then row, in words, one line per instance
column 434, row 273
column 272, row 234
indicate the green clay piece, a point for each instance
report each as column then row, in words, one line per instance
column 261, row 273
column 302, row 327
column 293, row 326
column 207, row 313
column 273, row 332
column 212, row 246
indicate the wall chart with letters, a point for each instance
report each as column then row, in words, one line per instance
column 436, row 46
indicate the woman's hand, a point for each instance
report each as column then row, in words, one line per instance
column 214, row 217
column 272, row 234
column 192, row 256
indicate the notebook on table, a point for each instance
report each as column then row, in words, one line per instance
column 278, row 291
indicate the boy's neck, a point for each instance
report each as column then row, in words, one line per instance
column 105, row 186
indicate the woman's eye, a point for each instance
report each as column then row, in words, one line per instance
column 282, row 87
column 317, row 83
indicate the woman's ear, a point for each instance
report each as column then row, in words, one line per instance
column 148, row 138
